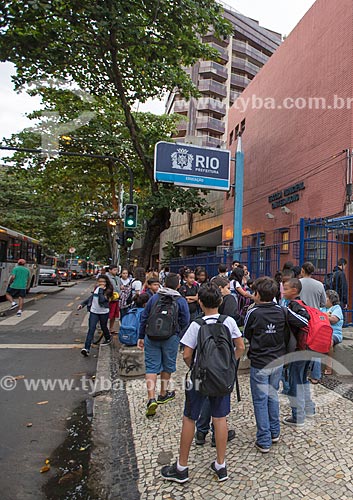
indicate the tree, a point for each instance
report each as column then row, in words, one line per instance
column 125, row 49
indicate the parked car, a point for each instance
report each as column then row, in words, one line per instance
column 65, row 274
column 49, row 276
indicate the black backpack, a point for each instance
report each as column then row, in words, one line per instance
column 163, row 318
column 214, row 371
column 330, row 281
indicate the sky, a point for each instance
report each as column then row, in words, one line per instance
column 277, row 15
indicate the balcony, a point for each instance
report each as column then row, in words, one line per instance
column 208, row 123
column 233, row 96
column 181, row 106
column 213, row 70
column 209, row 104
column 223, row 53
column 213, row 87
column 239, row 81
column 245, row 48
column 243, row 64
column 212, row 142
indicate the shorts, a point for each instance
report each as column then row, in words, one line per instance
column 194, row 400
column 336, row 340
column 161, row 355
column 114, row 310
column 16, row 292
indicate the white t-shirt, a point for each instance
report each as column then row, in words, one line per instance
column 234, row 285
column 190, row 336
column 136, row 287
column 95, row 307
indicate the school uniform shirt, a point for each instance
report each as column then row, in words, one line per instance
column 189, row 338
column 96, row 308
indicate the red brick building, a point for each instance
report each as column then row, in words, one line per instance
column 296, row 160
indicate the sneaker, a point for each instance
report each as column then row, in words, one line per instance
column 292, row 422
column 107, row 342
column 151, row 408
column 276, row 438
column 231, row 436
column 84, row 352
column 171, row 473
column 263, row 449
column 200, row 438
column 19, row 313
column 221, row 473
column 310, row 415
column 13, row 305
column 169, row 396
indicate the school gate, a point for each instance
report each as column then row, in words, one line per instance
column 320, row 241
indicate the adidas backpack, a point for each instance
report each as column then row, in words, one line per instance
column 318, row 331
column 163, row 318
column 130, row 325
column 215, row 369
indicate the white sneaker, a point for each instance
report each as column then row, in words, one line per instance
column 19, row 312
column 13, row 305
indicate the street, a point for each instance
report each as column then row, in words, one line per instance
column 43, row 345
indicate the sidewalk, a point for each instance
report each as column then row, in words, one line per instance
column 314, row 462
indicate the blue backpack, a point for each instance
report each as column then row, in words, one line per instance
column 130, row 325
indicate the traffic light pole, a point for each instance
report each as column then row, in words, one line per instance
column 81, row 155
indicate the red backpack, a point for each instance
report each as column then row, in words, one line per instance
column 318, row 331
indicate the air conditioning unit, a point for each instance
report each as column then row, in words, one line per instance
column 220, row 249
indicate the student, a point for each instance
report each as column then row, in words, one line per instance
column 299, row 386
column 152, row 287
column 98, row 306
column 265, row 330
column 160, row 355
column 114, row 303
column 18, row 284
column 201, row 276
column 209, row 299
column 189, row 291
column 222, row 271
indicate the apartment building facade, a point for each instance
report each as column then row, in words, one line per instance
column 204, row 123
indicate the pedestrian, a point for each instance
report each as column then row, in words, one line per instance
column 335, row 315
column 98, row 306
column 338, row 282
column 19, row 282
column 299, row 386
column 201, row 276
column 235, row 264
column 152, row 287
column 313, row 295
column 114, row 302
column 189, row 290
column 222, row 271
column 210, row 299
column 165, row 316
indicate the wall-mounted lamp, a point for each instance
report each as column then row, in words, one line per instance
column 285, row 210
column 270, row 216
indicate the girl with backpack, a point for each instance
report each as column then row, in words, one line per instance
column 98, row 306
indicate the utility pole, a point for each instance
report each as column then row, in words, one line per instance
column 238, row 201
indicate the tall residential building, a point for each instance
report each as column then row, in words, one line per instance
column 241, row 56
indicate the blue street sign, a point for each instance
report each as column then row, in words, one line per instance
column 192, row 166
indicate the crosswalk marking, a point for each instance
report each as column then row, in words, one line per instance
column 58, row 318
column 85, row 320
column 14, row 320
column 41, row 346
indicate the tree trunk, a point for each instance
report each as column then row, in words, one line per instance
column 155, row 226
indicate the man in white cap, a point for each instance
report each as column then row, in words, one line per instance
column 18, row 284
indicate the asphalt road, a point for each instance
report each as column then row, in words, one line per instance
column 42, row 345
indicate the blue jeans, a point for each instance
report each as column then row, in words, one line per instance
column 264, row 384
column 299, row 390
column 92, row 323
column 315, row 368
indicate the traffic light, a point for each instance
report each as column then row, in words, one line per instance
column 121, row 239
column 130, row 220
column 129, row 238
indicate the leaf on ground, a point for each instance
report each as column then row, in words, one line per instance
column 19, row 377
column 47, row 461
column 77, row 340
column 83, row 448
column 42, row 402
column 339, row 475
column 45, row 468
column 29, row 424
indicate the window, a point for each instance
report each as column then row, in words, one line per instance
column 285, row 241
column 14, row 250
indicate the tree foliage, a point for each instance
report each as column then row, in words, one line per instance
column 121, row 51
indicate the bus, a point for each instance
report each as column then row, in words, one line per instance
column 78, row 267
column 14, row 246
column 52, row 262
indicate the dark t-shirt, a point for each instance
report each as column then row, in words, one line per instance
column 189, row 291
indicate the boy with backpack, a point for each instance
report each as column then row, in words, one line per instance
column 209, row 351
column 265, row 329
column 130, row 324
column 165, row 316
column 315, row 335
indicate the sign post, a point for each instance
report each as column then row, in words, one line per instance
column 192, row 166
column 72, row 250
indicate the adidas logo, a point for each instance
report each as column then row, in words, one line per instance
column 271, row 328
